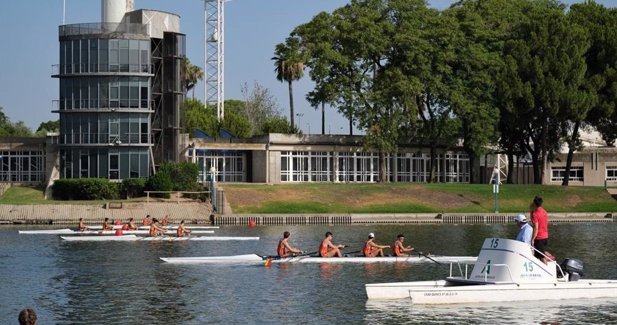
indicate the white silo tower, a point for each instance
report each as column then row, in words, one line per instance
column 112, row 11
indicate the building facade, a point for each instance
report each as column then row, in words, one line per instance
column 121, row 87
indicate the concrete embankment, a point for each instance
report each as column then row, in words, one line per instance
column 420, row 218
column 198, row 213
column 191, row 212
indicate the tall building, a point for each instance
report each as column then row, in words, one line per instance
column 121, row 87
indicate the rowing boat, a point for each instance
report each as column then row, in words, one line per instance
column 158, row 238
column 257, row 259
column 96, row 232
column 98, row 227
column 505, row 271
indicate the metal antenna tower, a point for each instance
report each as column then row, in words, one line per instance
column 214, row 55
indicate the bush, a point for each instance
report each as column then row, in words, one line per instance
column 85, row 189
column 134, row 187
column 160, row 182
column 183, row 175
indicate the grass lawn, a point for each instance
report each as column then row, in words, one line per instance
column 411, row 198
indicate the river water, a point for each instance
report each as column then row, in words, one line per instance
column 126, row 283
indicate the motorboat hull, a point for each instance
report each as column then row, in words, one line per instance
column 443, row 292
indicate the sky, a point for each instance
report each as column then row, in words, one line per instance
column 30, row 44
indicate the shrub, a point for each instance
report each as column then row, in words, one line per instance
column 160, row 182
column 134, row 187
column 84, row 189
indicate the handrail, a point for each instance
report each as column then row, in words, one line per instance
column 171, row 192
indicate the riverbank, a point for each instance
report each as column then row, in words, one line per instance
column 411, row 198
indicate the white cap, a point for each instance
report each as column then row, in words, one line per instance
column 520, row 218
column 371, row 235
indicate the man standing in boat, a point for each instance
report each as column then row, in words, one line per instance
column 284, row 249
column 398, row 249
column 371, row 249
column 539, row 218
column 328, row 249
column 526, row 231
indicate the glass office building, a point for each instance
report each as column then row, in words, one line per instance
column 121, row 87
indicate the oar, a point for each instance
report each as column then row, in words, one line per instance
column 430, row 258
column 270, row 258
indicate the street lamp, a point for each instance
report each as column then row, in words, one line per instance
column 299, row 116
column 212, row 189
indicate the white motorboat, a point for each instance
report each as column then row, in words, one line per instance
column 98, row 232
column 157, row 238
column 506, row 270
column 258, row 259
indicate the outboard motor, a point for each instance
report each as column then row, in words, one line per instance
column 573, row 267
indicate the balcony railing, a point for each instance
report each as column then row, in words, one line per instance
column 102, row 28
column 61, row 69
column 104, row 139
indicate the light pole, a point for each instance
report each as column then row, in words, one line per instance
column 212, row 189
column 299, row 116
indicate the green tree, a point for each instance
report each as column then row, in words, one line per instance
column 259, row 107
column 601, row 58
column 192, row 75
column 49, row 126
column 544, row 75
column 289, row 67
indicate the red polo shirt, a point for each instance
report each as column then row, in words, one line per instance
column 540, row 220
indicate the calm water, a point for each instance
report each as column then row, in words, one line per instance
column 126, row 283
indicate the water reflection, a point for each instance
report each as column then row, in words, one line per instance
column 584, row 311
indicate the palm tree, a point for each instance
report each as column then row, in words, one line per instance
column 192, row 74
column 289, row 66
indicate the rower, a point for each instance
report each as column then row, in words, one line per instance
column 328, row 249
column 371, row 249
column 155, row 229
column 165, row 221
column 182, row 230
column 284, row 249
column 130, row 225
column 82, row 225
column 398, row 249
column 107, row 226
column 147, row 221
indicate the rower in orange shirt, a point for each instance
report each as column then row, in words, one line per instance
column 130, row 225
column 328, row 249
column 284, row 249
column 398, row 248
column 147, row 221
column 155, row 228
column 182, row 230
column 371, row 249
column 107, row 226
column 82, row 225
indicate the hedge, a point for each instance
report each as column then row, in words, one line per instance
column 85, row 189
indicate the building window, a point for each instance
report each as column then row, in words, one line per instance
column 611, row 173
column 114, row 166
column 558, row 173
column 229, row 165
